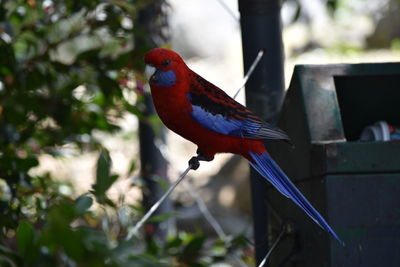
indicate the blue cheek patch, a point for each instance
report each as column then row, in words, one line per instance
column 165, row 78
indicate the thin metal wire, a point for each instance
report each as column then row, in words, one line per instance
column 273, row 247
column 250, row 71
column 210, row 218
column 155, row 206
column 205, row 211
column 229, row 10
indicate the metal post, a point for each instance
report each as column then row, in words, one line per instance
column 261, row 29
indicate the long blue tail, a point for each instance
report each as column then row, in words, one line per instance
column 268, row 168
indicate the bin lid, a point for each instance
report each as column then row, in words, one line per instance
column 315, row 121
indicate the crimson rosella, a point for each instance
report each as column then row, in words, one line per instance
column 199, row 111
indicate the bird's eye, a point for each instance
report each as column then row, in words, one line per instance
column 166, row 62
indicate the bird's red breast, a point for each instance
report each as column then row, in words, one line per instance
column 174, row 86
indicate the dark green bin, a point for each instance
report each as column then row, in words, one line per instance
column 355, row 185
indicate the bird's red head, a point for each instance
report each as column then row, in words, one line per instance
column 162, row 59
column 163, row 67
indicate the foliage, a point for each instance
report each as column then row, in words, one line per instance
column 68, row 69
column 332, row 6
column 63, row 231
column 63, row 69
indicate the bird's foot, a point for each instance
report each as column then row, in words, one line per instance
column 194, row 162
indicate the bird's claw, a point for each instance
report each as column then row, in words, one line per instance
column 194, row 163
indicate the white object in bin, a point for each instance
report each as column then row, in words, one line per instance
column 377, row 132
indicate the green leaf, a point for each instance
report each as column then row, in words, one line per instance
column 162, row 217
column 82, row 204
column 395, row 44
column 103, row 177
column 132, row 167
column 25, row 238
column 173, row 245
column 218, row 250
column 194, row 245
column 144, row 260
column 192, row 249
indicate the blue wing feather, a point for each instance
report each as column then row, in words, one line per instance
column 220, row 124
column 226, row 116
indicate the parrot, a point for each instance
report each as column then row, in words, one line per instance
column 204, row 114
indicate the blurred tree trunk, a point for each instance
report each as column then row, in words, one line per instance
column 152, row 21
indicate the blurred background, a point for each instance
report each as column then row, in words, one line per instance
column 73, row 97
